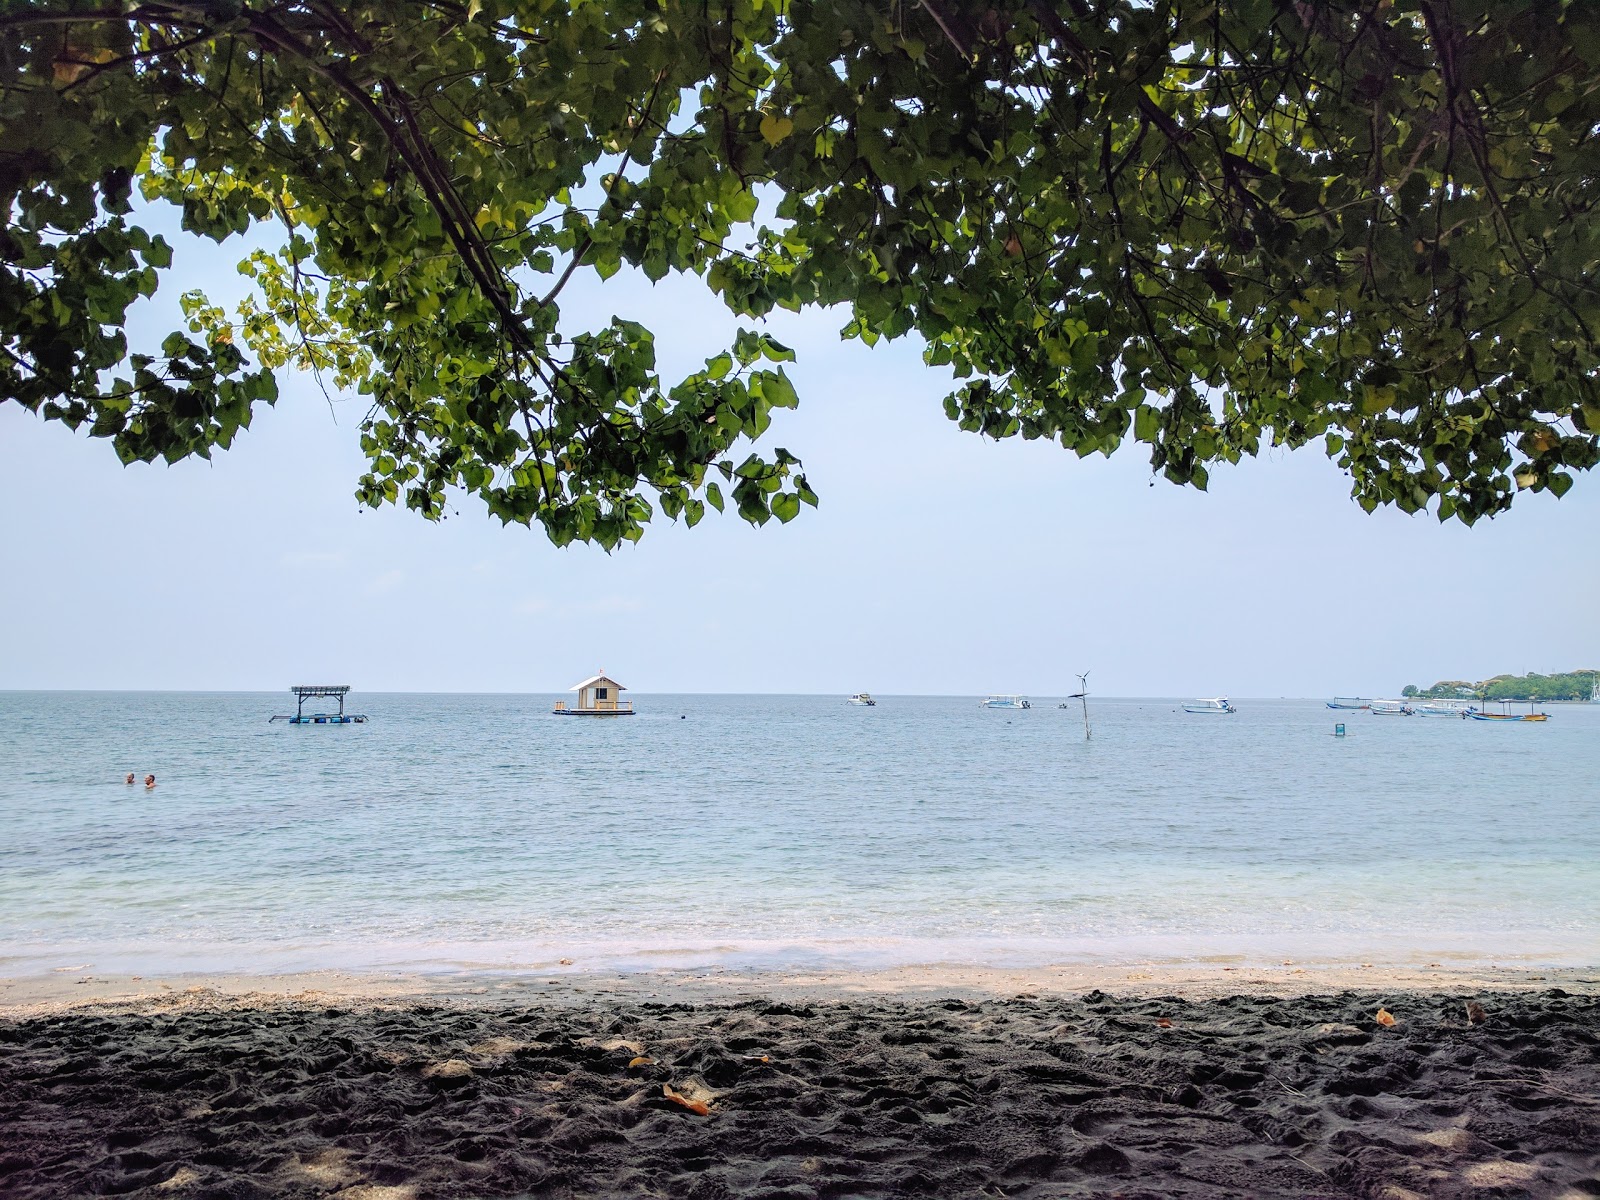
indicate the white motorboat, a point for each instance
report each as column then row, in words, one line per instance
column 1390, row 708
column 1006, row 702
column 1211, row 704
column 863, row 698
column 1444, row 708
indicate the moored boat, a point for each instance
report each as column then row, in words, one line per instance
column 1391, row 708
column 1006, row 702
column 1506, row 715
column 864, row 699
column 1210, row 704
column 1444, row 708
column 1354, row 702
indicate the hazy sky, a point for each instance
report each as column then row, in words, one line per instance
column 938, row 562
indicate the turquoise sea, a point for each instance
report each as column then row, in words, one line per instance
column 785, row 832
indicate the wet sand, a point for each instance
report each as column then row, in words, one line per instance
column 1197, row 1082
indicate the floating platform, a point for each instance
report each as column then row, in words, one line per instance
column 311, row 691
column 597, row 697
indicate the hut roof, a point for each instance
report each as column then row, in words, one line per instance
column 597, row 679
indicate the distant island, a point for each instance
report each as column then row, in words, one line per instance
column 1573, row 685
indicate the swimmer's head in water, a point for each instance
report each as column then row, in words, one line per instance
column 149, row 781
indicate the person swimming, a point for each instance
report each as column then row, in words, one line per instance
column 130, row 778
column 149, row 782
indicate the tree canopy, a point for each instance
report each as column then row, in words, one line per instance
column 1569, row 685
column 1208, row 228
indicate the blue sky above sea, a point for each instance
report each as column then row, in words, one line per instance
column 937, row 563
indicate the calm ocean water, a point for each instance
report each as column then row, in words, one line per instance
column 784, row 831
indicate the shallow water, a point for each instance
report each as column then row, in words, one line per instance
column 785, row 831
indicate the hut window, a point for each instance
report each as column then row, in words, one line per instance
column 600, row 693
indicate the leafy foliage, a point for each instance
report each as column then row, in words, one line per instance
column 1207, row 228
column 1570, row 685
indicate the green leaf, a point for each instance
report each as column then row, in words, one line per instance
column 775, row 386
column 1146, row 423
column 775, row 351
column 774, row 128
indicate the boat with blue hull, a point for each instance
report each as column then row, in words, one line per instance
column 1505, row 713
column 1006, row 702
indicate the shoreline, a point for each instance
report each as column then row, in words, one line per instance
column 66, row 990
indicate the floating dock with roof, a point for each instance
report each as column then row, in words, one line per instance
column 597, row 697
column 311, row 691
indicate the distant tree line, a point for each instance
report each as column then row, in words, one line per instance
column 1572, row 685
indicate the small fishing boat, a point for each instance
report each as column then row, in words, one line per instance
column 1506, row 715
column 1210, row 704
column 864, row 699
column 1391, row 708
column 1006, row 702
column 1349, row 702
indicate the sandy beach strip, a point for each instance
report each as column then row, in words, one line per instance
column 1191, row 1081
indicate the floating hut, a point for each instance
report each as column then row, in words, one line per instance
column 597, row 697
column 310, row 691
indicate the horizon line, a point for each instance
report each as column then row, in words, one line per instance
column 116, row 691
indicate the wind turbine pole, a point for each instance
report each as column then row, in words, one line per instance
column 1083, row 695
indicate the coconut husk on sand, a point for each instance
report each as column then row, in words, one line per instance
column 1087, row 1096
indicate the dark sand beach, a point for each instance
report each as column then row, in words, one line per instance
column 198, row 1092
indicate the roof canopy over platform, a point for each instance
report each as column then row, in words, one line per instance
column 306, row 691
column 595, row 680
